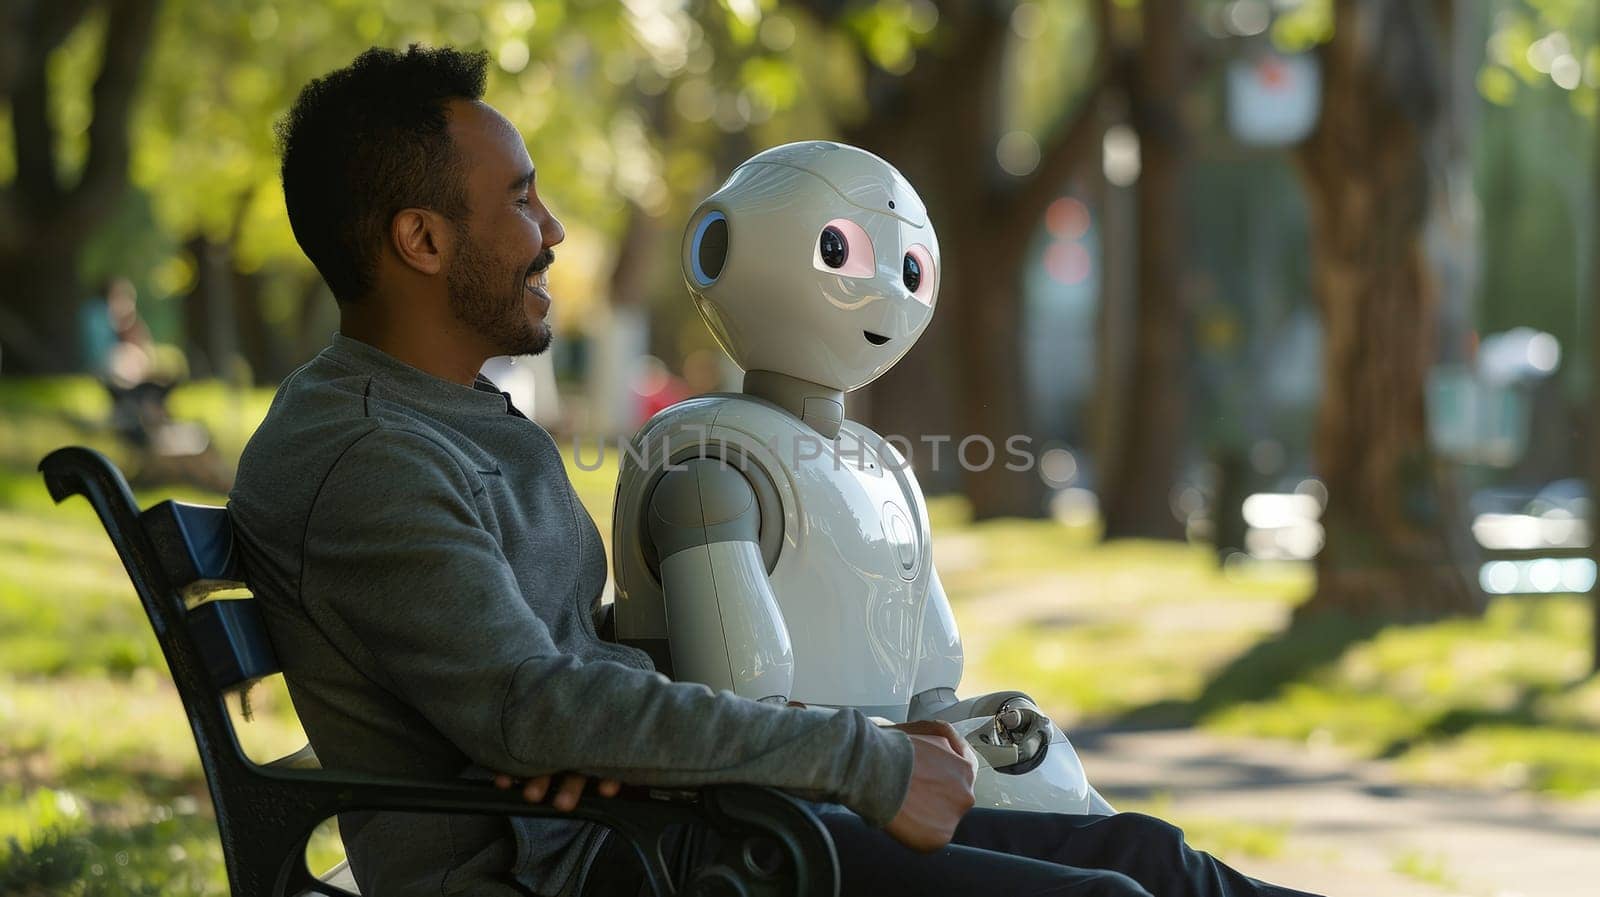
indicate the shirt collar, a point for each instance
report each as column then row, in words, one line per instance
column 416, row 386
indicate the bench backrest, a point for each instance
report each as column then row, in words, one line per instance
column 195, row 550
column 176, row 556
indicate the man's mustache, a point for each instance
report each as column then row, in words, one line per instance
column 545, row 260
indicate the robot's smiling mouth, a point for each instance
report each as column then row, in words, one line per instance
column 877, row 339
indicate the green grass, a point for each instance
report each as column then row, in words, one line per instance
column 1500, row 701
column 1425, row 868
column 102, row 790
column 1215, row 835
column 99, row 772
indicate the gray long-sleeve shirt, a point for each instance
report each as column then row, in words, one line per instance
column 428, row 576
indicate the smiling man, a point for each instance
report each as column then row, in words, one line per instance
column 427, row 573
column 429, row 577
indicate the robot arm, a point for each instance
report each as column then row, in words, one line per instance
column 723, row 623
column 1005, row 727
column 1016, row 734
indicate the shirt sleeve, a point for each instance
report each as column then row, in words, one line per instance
column 400, row 566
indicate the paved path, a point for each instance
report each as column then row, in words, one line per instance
column 1351, row 829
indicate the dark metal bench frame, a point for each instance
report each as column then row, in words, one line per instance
column 178, row 553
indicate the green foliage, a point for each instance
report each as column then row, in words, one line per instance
column 1304, row 26
column 1054, row 49
column 1544, row 45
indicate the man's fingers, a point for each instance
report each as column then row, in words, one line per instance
column 945, row 734
column 571, row 789
column 567, row 793
column 534, row 789
column 938, row 729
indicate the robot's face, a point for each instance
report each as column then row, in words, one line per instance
column 815, row 260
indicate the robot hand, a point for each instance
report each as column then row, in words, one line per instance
column 1016, row 739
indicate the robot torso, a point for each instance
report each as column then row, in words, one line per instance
column 844, row 536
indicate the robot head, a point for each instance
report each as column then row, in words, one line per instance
column 816, row 260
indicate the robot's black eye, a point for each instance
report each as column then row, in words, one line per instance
column 833, row 247
column 911, row 272
column 710, row 249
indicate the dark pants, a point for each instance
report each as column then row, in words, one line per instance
column 1003, row 853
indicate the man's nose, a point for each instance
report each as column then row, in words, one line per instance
column 552, row 230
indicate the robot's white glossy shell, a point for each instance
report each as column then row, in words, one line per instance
column 1057, row 785
column 852, row 575
column 773, row 305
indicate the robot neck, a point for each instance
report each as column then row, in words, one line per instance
column 816, row 405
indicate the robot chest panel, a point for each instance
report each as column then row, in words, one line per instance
column 852, row 580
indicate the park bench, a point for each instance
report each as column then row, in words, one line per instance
column 179, row 556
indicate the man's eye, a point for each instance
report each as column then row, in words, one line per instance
column 522, row 201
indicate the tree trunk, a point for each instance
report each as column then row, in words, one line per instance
column 45, row 222
column 939, row 124
column 1113, row 343
column 1137, row 499
column 39, row 331
column 1593, row 427
column 260, row 343
column 989, row 317
column 933, row 124
column 1388, row 551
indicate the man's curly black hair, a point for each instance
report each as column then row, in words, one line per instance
column 364, row 142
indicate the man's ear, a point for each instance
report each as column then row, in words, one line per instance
column 420, row 237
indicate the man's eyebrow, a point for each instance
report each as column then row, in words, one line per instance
column 521, row 183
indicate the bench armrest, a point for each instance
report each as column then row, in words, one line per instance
column 767, row 843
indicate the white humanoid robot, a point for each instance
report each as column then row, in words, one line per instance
column 765, row 544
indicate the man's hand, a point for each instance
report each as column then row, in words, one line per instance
column 943, row 770
column 566, row 799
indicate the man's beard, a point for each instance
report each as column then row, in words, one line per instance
column 498, row 314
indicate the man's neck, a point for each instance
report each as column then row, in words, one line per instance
column 438, row 351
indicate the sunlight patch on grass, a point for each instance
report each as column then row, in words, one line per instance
column 1101, row 670
column 1217, row 836
column 1562, row 762
column 1489, row 702
column 1426, row 868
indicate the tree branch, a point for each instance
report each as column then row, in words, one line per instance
column 24, row 79
column 129, row 34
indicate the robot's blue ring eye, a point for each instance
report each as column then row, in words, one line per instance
column 708, row 251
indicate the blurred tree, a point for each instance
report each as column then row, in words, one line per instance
column 1542, row 75
column 226, row 70
column 1389, row 548
column 937, row 104
column 1152, row 72
column 629, row 114
column 1593, row 427
column 1541, row 78
column 67, row 165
